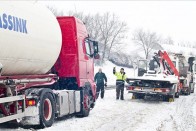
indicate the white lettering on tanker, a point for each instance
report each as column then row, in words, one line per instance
column 13, row 23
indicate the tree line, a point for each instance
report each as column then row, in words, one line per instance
column 111, row 33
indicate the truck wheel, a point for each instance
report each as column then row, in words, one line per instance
column 86, row 106
column 134, row 96
column 170, row 98
column 192, row 91
column 177, row 94
column 92, row 101
column 47, row 110
column 85, row 103
column 140, row 96
column 189, row 92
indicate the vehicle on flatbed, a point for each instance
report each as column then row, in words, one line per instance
column 167, row 77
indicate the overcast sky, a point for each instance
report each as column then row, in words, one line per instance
column 168, row 18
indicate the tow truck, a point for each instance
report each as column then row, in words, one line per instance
column 169, row 75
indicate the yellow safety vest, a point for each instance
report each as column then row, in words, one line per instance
column 120, row 76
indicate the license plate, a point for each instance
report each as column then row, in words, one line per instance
column 138, row 88
column 158, row 90
column 147, row 89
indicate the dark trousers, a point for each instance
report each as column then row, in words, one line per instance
column 100, row 87
column 120, row 90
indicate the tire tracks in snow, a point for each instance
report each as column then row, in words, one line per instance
column 124, row 121
column 182, row 117
column 134, row 115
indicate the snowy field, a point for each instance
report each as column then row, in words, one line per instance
column 131, row 115
column 110, row 114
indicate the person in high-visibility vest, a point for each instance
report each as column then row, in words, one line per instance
column 120, row 83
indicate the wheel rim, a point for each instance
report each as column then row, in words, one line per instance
column 86, row 102
column 171, row 99
column 47, row 109
column 133, row 97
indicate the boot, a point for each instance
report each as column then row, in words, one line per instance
column 122, row 97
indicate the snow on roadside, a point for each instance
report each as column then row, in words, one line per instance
column 136, row 115
column 132, row 115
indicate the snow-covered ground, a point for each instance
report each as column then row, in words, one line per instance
column 129, row 115
column 132, row 115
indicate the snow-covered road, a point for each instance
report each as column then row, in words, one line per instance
column 110, row 114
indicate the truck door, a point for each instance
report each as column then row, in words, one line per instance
column 90, row 61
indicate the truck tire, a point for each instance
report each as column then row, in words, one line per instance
column 192, row 90
column 134, row 96
column 191, row 86
column 177, row 94
column 140, row 96
column 170, row 98
column 46, row 110
column 189, row 92
column 85, row 103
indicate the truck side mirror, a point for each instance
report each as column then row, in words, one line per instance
column 190, row 61
column 93, row 48
column 96, row 50
column 95, row 45
column 97, row 56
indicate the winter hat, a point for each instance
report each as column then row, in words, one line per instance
column 122, row 69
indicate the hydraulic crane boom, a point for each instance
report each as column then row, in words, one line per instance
column 168, row 65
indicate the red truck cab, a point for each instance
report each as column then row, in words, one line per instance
column 75, row 65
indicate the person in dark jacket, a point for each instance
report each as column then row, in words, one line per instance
column 100, row 77
column 120, row 83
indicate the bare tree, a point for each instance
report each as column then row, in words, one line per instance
column 112, row 32
column 79, row 15
column 122, row 59
column 55, row 11
column 168, row 41
column 147, row 41
column 106, row 28
column 91, row 22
